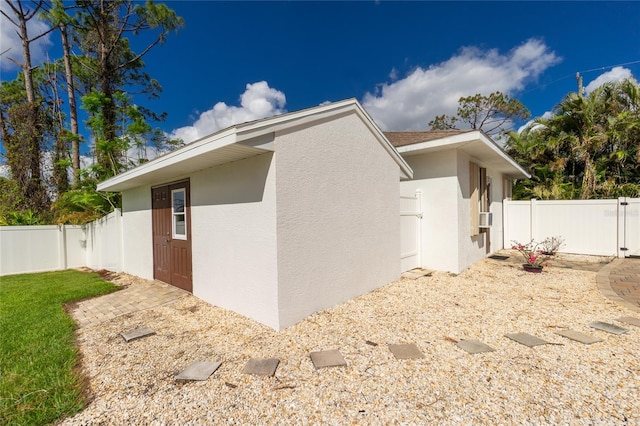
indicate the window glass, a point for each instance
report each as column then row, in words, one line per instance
column 178, row 214
column 178, row 201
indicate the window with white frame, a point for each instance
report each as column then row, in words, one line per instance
column 479, row 196
column 179, row 213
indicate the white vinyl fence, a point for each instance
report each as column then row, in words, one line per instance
column 597, row 227
column 97, row 245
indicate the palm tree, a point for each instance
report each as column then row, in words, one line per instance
column 589, row 148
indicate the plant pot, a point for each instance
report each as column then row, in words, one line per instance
column 532, row 268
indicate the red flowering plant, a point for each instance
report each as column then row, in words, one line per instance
column 532, row 252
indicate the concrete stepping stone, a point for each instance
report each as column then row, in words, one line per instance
column 261, row 366
column 406, row 351
column 498, row 257
column 474, row 346
column 414, row 274
column 330, row 358
column 137, row 333
column 609, row 328
column 630, row 321
column 526, row 339
column 578, row 336
column 198, row 370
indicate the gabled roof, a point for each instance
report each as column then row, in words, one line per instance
column 239, row 142
column 398, row 139
column 476, row 143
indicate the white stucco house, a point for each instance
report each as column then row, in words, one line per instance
column 274, row 219
column 453, row 203
column 279, row 218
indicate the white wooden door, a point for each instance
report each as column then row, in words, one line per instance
column 410, row 231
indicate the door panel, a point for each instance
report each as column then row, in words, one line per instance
column 171, row 256
column 180, row 265
column 161, row 218
column 410, row 232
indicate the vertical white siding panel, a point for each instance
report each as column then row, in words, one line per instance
column 75, row 246
column 29, row 249
column 517, row 222
column 587, row 226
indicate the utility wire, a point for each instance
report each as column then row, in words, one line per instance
column 582, row 72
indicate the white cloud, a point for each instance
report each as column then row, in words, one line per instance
column 11, row 44
column 532, row 125
column 136, row 154
column 258, row 101
column 616, row 74
column 411, row 102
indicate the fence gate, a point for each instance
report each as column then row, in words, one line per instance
column 410, row 231
column 630, row 227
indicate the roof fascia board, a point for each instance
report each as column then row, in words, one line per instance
column 273, row 124
column 193, row 149
column 447, row 141
column 260, row 134
column 405, row 169
column 256, row 129
column 498, row 150
column 459, row 141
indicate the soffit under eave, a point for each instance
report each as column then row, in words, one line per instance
column 481, row 151
column 218, row 157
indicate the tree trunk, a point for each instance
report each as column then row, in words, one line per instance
column 73, row 109
column 34, row 190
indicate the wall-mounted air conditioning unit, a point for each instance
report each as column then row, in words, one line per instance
column 486, row 219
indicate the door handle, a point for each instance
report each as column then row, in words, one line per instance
column 167, row 240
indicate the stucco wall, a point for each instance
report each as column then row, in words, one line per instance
column 233, row 227
column 472, row 249
column 435, row 176
column 338, row 222
column 137, row 241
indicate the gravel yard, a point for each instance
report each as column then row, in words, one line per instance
column 564, row 382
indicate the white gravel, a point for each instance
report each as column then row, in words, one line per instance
column 562, row 383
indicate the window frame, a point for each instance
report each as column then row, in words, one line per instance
column 478, row 196
column 175, row 214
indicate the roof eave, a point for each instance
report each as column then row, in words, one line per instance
column 253, row 129
column 239, row 142
column 459, row 141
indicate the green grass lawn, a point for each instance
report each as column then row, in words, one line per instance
column 38, row 384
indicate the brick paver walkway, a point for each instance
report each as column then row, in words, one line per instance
column 620, row 282
column 137, row 297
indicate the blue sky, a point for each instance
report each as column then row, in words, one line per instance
column 404, row 61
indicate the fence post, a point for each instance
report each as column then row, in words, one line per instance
column 505, row 223
column 62, row 247
column 419, row 210
column 534, row 219
column 121, row 241
column 622, row 217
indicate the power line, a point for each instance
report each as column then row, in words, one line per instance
column 611, row 66
column 573, row 75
